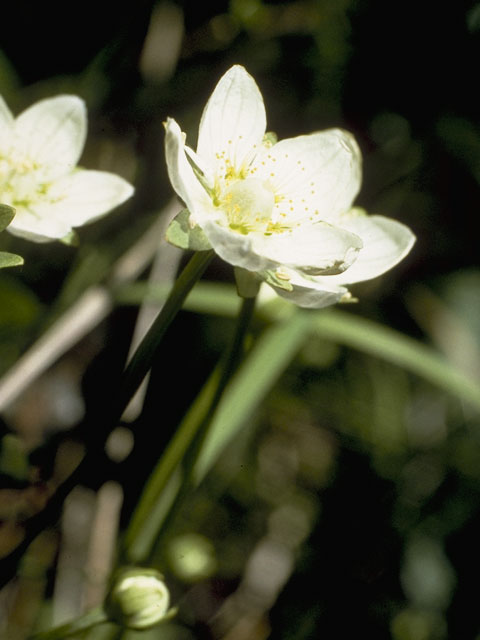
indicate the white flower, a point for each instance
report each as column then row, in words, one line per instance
column 39, row 151
column 281, row 210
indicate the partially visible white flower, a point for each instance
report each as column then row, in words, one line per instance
column 280, row 210
column 39, row 151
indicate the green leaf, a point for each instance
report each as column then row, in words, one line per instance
column 279, row 345
column 254, row 379
column 341, row 327
column 215, row 298
column 180, row 234
column 6, row 216
column 9, row 260
column 399, row 349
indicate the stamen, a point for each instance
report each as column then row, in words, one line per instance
column 248, row 205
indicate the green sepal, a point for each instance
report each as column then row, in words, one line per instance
column 7, row 214
column 71, row 239
column 10, row 259
column 248, row 283
column 181, row 234
column 272, row 278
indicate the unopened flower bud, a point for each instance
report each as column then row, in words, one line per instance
column 139, row 599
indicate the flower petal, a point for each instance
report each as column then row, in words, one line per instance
column 28, row 224
column 317, row 249
column 314, row 175
column 180, row 172
column 51, row 134
column 233, row 121
column 235, row 248
column 84, row 196
column 71, row 201
column 309, row 294
column 385, row 243
column 310, row 248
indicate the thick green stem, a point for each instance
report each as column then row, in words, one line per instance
column 79, row 625
column 143, row 357
column 184, row 449
column 230, row 363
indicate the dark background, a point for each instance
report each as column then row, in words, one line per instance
column 394, row 486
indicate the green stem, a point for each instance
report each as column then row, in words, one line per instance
column 231, row 361
column 184, row 448
column 79, row 625
column 143, row 357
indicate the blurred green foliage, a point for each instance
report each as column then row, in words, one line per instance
column 349, row 505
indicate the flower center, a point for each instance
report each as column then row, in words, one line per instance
column 24, row 184
column 248, row 205
column 20, row 182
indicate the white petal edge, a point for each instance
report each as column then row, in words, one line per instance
column 385, row 243
column 180, row 172
column 310, row 248
column 51, row 133
column 316, row 175
column 28, row 225
column 311, row 296
column 320, row 247
column 234, row 120
column 84, row 196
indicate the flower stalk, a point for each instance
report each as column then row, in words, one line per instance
column 143, row 357
column 184, row 450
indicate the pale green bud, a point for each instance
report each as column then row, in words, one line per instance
column 139, row 599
